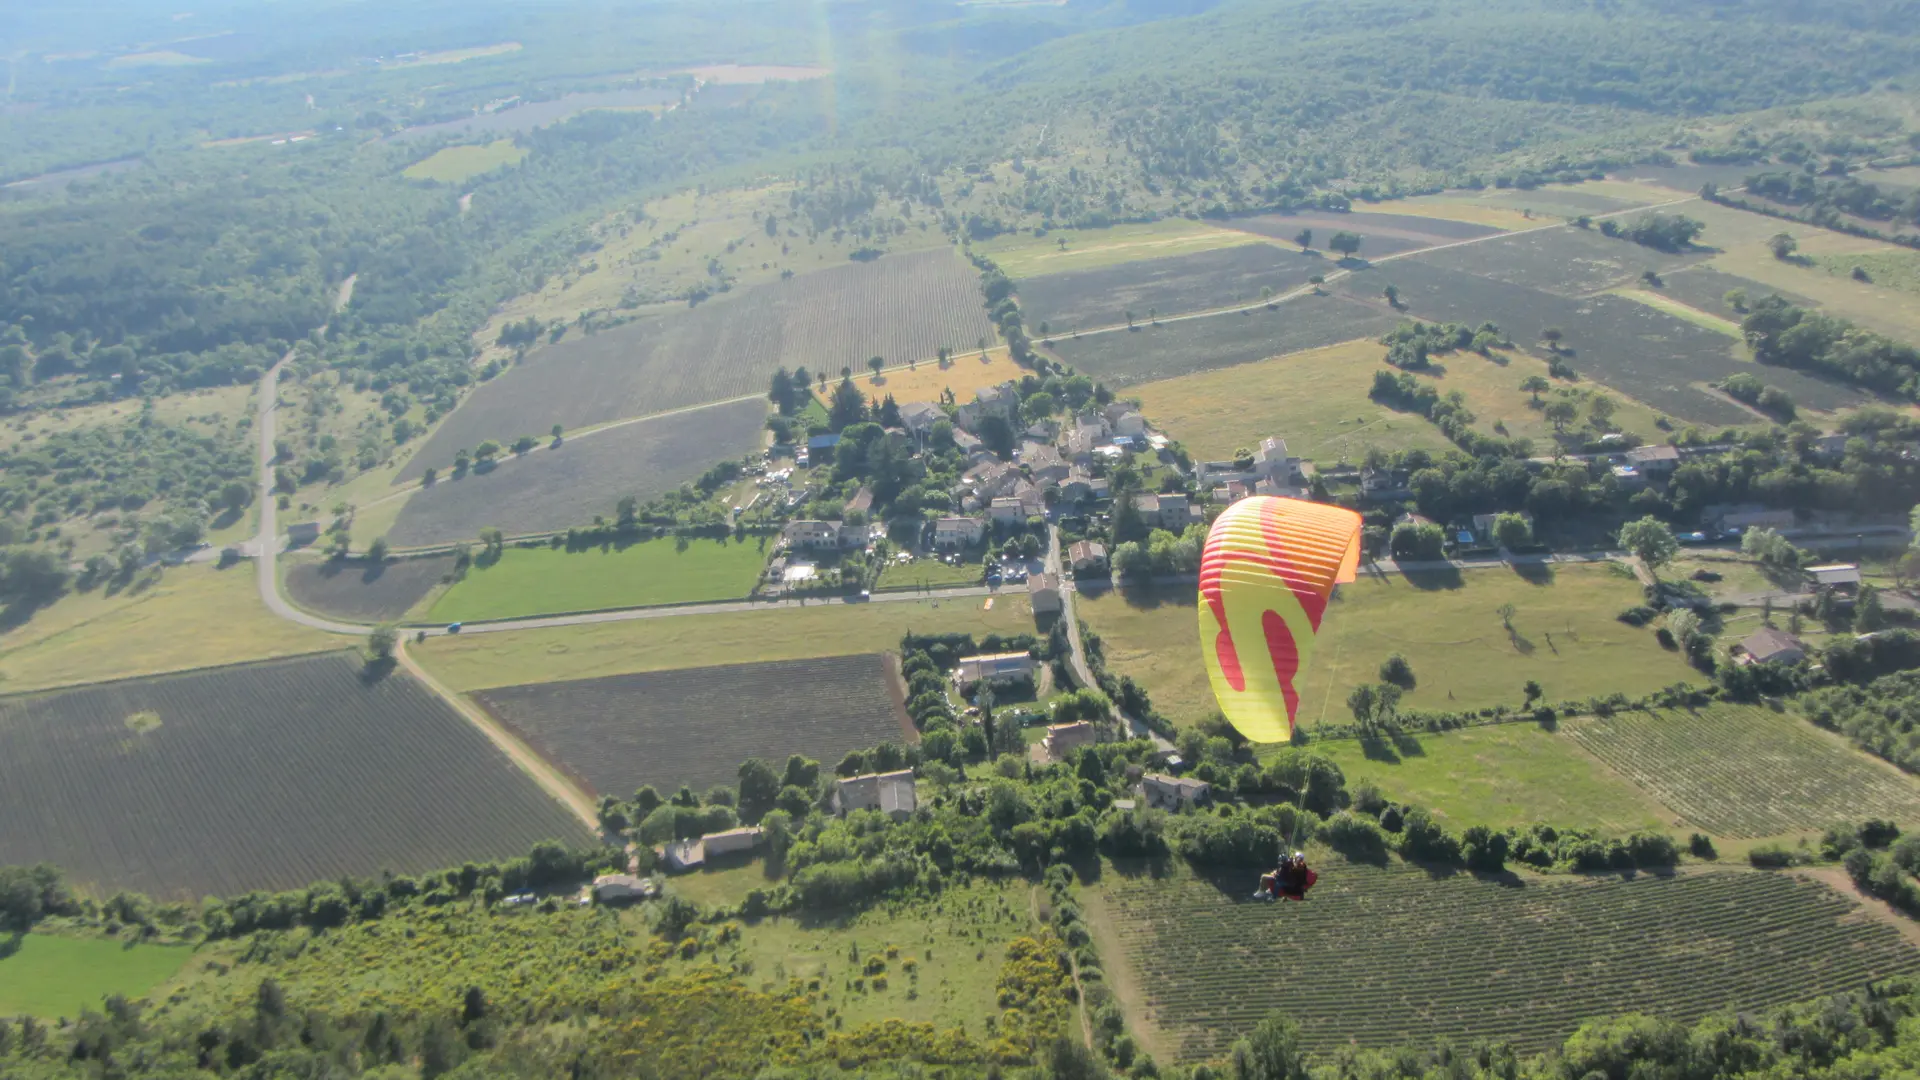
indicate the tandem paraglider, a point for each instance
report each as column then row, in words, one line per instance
column 1268, row 571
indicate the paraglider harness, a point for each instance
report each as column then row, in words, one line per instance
column 1293, row 877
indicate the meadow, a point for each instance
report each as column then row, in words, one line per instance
column 1446, row 624
column 1173, row 349
column 1023, row 255
column 1882, row 307
column 1316, row 400
column 1748, row 771
column 1088, row 299
column 262, row 776
column 361, row 592
column 896, row 307
column 49, row 977
column 458, row 164
column 1522, row 959
column 468, row 662
column 546, row 580
column 695, row 726
column 565, row 486
column 194, row 616
column 1502, row 775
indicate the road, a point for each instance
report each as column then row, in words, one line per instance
column 1077, row 657
column 266, row 543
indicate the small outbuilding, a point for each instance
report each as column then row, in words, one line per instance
column 1840, row 577
column 622, row 888
column 1767, row 645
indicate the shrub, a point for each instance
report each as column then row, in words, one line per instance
column 1637, row 616
column 1700, row 846
column 1355, row 836
column 1772, row 857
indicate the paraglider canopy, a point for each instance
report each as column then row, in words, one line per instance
column 1268, row 570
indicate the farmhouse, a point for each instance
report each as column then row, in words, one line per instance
column 620, row 888
column 303, row 532
column 1163, row 792
column 1170, row 512
column 802, row 535
column 1044, row 592
column 694, row 853
column 950, row 533
column 1384, row 485
column 1002, row 400
column 890, row 793
column 1839, row 577
column 1063, row 739
column 1658, row 460
column 1767, row 645
column 994, row 668
column 1087, row 557
column 920, row 416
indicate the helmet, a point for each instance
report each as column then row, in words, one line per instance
column 1299, row 854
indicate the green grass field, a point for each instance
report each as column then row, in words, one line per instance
column 50, row 977
column 196, row 616
column 1898, row 269
column 931, row 573
column 1564, row 635
column 510, row 658
column 456, row 164
column 1747, row 771
column 1881, row 306
column 1678, row 310
column 1316, row 400
column 1023, row 255
column 1509, row 774
column 537, row 581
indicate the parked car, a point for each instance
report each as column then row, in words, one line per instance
column 453, row 628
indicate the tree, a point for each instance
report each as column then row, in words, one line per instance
column 1131, row 559
column 759, row 787
column 1868, row 613
column 557, row 429
column 1650, row 541
column 874, row 364
column 1305, row 239
column 1360, row 702
column 1346, row 243
column 847, row 406
column 1561, row 413
column 1533, row 691
column 1272, row 1052
column 381, row 644
column 1511, row 531
column 1736, row 299
column 780, row 392
column 1396, row 670
column 1601, row 408
column 1535, row 385
column 1392, row 293
column 1129, row 318
column 377, row 550
column 1420, row 543
column 1783, row 246
column 1553, row 335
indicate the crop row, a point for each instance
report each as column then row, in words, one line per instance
column 258, row 777
column 900, row 307
column 1085, row 299
column 695, row 726
column 1171, row 349
column 1743, row 772
column 1401, row 956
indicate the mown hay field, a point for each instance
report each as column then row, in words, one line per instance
column 264, row 776
column 895, row 307
column 1500, row 775
column 1746, row 771
column 1088, row 299
column 964, row 374
column 695, row 726
column 1316, row 400
column 1024, row 255
column 1879, row 306
column 195, row 616
column 546, row 580
column 365, row 592
column 1446, row 624
column 1644, row 353
column 1183, row 347
column 470, row 662
column 562, row 487
column 1527, row 960
column 457, row 164
column 1380, row 234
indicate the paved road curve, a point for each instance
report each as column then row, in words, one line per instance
column 266, row 544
